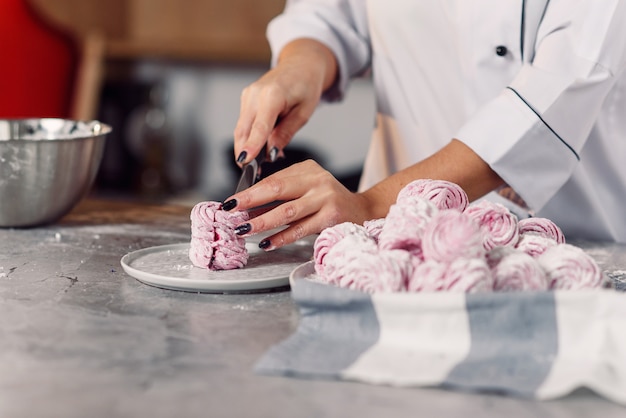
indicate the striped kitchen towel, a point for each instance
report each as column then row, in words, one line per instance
column 541, row 345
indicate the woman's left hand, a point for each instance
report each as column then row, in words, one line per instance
column 313, row 200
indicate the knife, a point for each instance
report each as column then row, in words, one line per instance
column 251, row 172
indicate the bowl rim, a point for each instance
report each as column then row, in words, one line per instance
column 105, row 129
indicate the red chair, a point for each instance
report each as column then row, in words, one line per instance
column 38, row 66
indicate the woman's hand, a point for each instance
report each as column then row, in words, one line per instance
column 277, row 105
column 313, row 200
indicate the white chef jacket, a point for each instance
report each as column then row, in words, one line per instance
column 536, row 88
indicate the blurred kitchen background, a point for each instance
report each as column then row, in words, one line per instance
column 167, row 75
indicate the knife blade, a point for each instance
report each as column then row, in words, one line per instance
column 251, row 172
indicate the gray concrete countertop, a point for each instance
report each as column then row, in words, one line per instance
column 80, row 338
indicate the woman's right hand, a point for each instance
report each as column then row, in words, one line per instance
column 277, row 105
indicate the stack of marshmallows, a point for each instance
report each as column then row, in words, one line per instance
column 433, row 240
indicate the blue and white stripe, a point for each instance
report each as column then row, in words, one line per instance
column 540, row 345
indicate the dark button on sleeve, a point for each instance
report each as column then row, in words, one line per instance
column 501, row 50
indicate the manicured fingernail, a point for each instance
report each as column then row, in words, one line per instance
column 242, row 157
column 229, row 205
column 264, row 244
column 243, row 229
column 273, row 154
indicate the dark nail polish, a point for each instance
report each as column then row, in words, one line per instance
column 242, row 157
column 273, row 154
column 229, row 205
column 243, row 229
column 264, row 244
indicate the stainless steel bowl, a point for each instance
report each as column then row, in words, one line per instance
column 46, row 166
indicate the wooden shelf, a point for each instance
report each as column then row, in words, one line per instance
column 206, row 30
column 228, row 52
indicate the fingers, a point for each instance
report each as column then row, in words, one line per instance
column 270, row 129
column 312, row 200
column 304, row 217
column 272, row 110
column 304, row 227
column 263, row 104
column 287, row 184
column 287, row 236
column 247, row 110
column 255, row 124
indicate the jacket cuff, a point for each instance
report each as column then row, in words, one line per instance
column 518, row 145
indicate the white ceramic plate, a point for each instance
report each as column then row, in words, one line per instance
column 168, row 267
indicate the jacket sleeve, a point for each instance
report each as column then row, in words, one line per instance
column 341, row 25
column 533, row 132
